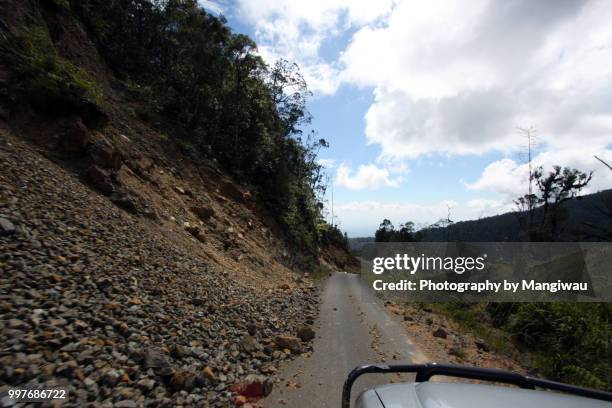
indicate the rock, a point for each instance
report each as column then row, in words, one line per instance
column 408, row 318
column 126, row 404
column 178, row 351
column 76, row 137
column 203, row 212
column 482, row 345
column 208, row 372
column 457, row 352
column 155, row 358
column 254, row 386
column 6, row 227
column 16, row 324
column 182, row 380
column 91, row 386
column 106, row 156
column 100, row 179
column 250, row 344
column 290, row 342
column 126, row 202
column 179, row 190
column 252, row 329
column 146, row 385
column 306, row 333
column 110, row 377
column 192, row 229
column 440, row 333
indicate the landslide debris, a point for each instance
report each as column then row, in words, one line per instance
column 98, row 300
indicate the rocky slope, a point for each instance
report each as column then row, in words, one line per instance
column 107, row 304
column 133, row 271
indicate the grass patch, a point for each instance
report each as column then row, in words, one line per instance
column 470, row 318
column 51, row 74
column 567, row 342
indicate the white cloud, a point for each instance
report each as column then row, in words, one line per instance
column 367, row 177
column 453, row 76
column 503, row 176
column 362, row 218
column 511, row 179
column 327, row 163
column 297, row 31
column 211, row 6
column 483, row 207
column 458, row 76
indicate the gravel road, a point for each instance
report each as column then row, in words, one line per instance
column 353, row 329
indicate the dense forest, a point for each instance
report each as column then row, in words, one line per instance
column 190, row 76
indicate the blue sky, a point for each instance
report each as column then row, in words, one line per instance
column 421, row 101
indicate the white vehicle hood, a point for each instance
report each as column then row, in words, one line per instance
column 462, row 395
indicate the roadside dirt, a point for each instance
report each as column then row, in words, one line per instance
column 443, row 340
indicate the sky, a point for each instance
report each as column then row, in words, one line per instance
column 423, row 102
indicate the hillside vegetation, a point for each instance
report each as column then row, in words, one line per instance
column 183, row 72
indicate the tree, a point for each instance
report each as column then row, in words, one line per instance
column 385, row 232
column 554, row 188
column 406, row 232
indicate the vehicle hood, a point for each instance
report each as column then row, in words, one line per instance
column 462, row 395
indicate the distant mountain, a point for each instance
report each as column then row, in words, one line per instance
column 585, row 218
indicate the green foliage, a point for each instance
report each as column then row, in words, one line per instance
column 574, row 340
column 332, row 235
column 209, row 88
column 63, row 5
column 570, row 342
column 386, row 232
column 555, row 188
column 48, row 81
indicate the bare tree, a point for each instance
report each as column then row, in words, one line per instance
column 529, row 201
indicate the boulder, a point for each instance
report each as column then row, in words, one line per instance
column 106, row 156
column 100, row 179
column 6, row 227
column 482, row 345
column 126, row 202
column 203, row 212
column 155, row 358
column 182, row 380
column 306, row 333
column 192, row 229
column 440, row 333
column 208, row 373
column 76, row 137
column 288, row 342
column 250, row 344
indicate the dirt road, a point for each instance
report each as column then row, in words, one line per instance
column 353, row 329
